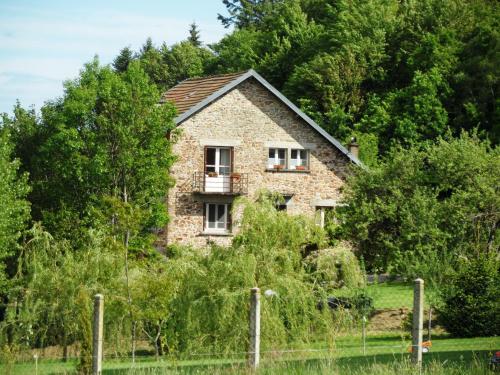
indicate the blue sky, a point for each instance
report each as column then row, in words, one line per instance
column 43, row 43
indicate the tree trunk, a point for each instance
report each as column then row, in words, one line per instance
column 157, row 339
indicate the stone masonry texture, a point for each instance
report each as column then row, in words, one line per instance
column 252, row 117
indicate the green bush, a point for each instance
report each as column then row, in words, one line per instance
column 334, row 268
column 471, row 299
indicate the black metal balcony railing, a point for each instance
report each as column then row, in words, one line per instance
column 212, row 183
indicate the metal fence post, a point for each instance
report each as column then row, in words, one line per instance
column 418, row 322
column 254, row 350
column 97, row 334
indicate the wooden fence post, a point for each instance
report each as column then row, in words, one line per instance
column 418, row 322
column 97, row 334
column 254, row 350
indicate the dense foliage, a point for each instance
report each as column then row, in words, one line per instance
column 471, row 306
column 185, row 303
column 424, row 207
column 14, row 214
column 400, row 72
column 103, row 142
column 386, row 71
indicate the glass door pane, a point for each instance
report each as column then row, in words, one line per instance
column 210, row 160
column 221, row 216
column 224, row 161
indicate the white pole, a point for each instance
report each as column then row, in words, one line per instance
column 418, row 322
column 97, row 334
column 254, row 350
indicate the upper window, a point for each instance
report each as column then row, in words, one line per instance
column 288, row 159
column 217, row 217
column 277, row 158
column 298, row 159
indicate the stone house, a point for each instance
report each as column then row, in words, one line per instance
column 240, row 135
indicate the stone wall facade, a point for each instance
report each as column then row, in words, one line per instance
column 250, row 119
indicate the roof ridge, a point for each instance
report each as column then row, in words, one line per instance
column 193, row 79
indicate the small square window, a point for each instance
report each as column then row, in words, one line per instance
column 282, row 205
column 217, row 217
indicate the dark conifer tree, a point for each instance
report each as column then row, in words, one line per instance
column 194, row 35
column 121, row 62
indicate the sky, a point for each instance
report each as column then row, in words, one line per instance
column 45, row 42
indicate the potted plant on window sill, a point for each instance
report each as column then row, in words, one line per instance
column 300, row 167
column 279, row 167
column 213, row 174
column 235, row 177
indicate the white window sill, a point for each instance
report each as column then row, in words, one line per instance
column 216, row 233
column 275, row 170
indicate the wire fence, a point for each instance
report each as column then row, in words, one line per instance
column 383, row 327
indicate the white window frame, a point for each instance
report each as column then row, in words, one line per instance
column 299, row 158
column 225, row 219
column 276, row 157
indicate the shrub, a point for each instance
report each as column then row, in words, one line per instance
column 334, row 268
column 471, row 302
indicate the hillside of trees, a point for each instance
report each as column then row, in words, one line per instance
column 388, row 72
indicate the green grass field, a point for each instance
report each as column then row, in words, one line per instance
column 389, row 295
column 347, row 357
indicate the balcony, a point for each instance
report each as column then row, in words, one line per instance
column 213, row 183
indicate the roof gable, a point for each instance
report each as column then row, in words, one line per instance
column 192, row 95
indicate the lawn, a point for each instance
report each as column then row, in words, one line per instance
column 388, row 295
column 391, row 295
column 387, row 350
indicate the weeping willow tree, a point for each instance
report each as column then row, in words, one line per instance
column 210, row 310
column 50, row 303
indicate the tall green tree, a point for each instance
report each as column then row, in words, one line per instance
column 246, row 13
column 106, row 137
column 105, row 161
column 124, row 58
column 424, row 207
column 186, row 60
column 194, row 35
column 14, row 210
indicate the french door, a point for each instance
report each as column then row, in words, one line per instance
column 218, row 169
